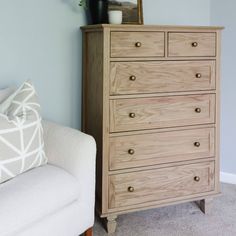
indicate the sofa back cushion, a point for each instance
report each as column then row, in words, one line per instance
column 21, row 133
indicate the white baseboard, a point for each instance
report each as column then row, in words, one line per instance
column 228, row 178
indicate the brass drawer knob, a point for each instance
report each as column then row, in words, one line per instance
column 138, row 44
column 197, row 178
column 131, row 189
column 131, row 151
column 194, row 44
column 198, row 75
column 198, row 110
column 132, row 115
column 132, row 78
column 197, row 144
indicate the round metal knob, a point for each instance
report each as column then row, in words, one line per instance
column 198, row 75
column 138, row 44
column 131, row 151
column 197, row 144
column 194, row 44
column 198, row 110
column 132, row 78
column 197, row 178
column 132, row 115
column 131, row 189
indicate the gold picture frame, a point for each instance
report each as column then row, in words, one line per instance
column 132, row 10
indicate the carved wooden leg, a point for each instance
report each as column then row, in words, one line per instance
column 205, row 205
column 111, row 224
column 88, row 232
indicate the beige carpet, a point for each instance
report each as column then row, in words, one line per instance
column 181, row 220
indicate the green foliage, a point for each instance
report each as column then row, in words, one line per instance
column 83, row 3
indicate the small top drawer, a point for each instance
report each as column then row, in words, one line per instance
column 137, row 44
column 191, row 44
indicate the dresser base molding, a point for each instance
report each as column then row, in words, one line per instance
column 196, row 199
column 205, row 205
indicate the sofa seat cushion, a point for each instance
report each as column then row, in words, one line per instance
column 34, row 195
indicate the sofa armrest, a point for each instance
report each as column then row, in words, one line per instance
column 73, row 151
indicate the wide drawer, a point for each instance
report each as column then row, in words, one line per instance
column 161, row 112
column 153, row 185
column 137, row 44
column 165, row 76
column 158, row 148
column 192, row 44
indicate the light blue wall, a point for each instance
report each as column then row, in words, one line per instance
column 177, row 12
column 223, row 13
column 41, row 41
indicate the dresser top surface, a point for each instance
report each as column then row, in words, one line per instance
column 150, row 27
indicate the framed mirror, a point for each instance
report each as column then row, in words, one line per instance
column 132, row 10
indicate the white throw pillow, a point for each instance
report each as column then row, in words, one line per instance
column 21, row 133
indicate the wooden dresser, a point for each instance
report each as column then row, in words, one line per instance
column 151, row 100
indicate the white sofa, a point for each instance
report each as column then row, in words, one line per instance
column 56, row 199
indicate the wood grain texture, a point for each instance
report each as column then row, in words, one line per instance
column 123, row 44
column 93, row 90
column 180, row 44
column 159, row 148
column 163, row 97
column 218, row 111
column 172, row 182
column 161, row 76
column 161, row 112
column 141, row 28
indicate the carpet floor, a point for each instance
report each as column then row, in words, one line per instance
column 180, row 220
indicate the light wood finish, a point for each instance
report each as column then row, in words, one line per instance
column 89, row 232
column 173, row 77
column 159, row 148
column 136, row 44
column 139, row 187
column 149, row 113
column 161, row 76
column 111, row 224
column 206, row 205
column 192, row 44
column 93, row 112
column 155, row 28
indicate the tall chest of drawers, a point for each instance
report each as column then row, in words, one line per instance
column 151, row 100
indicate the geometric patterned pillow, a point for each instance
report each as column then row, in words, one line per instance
column 5, row 93
column 21, row 133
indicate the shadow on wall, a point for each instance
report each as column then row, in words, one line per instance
column 76, row 66
column 76, row 83
column 73, row 4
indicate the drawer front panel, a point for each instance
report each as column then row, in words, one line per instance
column 192, row 44
column 165, row 76
column 153, row 185
column 137, row 44
column 161, row 112
column 159, row 148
